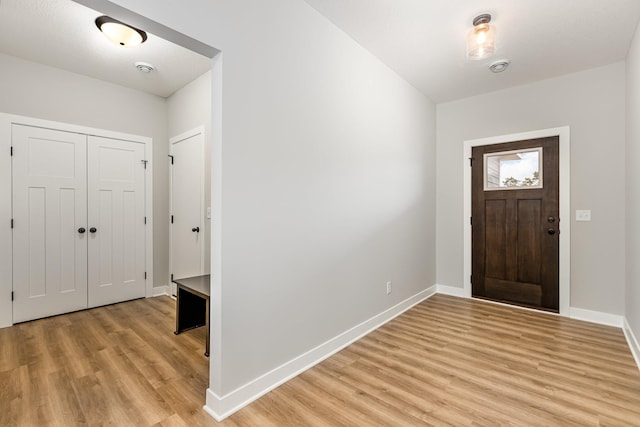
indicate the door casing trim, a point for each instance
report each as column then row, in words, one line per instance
column 564, row 136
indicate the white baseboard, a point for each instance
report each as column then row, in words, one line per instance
column 453, row 291
column 160, row 290
column 220, row 407
column 632, row 341
column 574, row 313
column 596, row 317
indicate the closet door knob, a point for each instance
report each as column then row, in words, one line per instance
column 81, row 230
column 196, row 229
column 93, row 230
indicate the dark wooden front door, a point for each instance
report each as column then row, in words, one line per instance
column 515, row 244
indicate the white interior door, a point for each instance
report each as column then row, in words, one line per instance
column 187, row 227
column 50, row 213
column 116, row 220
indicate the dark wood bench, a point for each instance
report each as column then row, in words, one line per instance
column 192, row 305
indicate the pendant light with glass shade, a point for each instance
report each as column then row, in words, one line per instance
column 481, row 39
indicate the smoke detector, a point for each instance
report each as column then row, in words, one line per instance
column 499, row 65
column 145, row 67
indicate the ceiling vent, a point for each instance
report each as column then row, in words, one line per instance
column 499, row 66
column 145, row 67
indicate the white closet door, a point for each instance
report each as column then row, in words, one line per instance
column 49, row 211
column 116, row 220
column 187, row 228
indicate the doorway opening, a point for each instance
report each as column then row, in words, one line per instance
column 122, row 117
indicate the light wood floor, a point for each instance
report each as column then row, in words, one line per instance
column 448, row 361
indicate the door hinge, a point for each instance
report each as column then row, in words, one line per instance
column 11, row 150
column 471, row 161
column 144, row 162
column 172, row 277
column 171, row 158
column 145, row 219
column 471, row 279
column 11, row 222
column 11, row 295
column 471, row 220
column 145, row 275
column 171, row 219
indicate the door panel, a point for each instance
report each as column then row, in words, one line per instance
column 496, row 241
column 37, row 229
column 515, row 227
column 129, row 265
column 116, row 212
column 49, row 206
column 528, row 241
column 187, row 250
column 505, row 291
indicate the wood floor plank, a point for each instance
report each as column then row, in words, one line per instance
column 447, row 361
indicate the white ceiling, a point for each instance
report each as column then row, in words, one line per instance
column 62, row 34
column 424, row 41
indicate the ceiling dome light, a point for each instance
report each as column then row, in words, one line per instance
column 119, row 32
column 481, row 39
column 499, row 66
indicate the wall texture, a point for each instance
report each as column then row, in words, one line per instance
column 187, row 109
column 34, row 90
column 592, row 103
column 327, row 181
column 632, row 295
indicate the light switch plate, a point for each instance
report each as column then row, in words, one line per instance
column 583, row 215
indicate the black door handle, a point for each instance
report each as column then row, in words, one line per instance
column 196, row 229
column 93, row 230
column 81, row 230
column 551, row 231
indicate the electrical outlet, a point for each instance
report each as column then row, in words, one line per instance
column 388, row 288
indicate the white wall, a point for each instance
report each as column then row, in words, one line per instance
column 592, row 103
column 42, row 92
column 327, row 181
column 632, row 296
column 187, row 109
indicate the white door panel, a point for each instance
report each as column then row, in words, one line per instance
column 49, row 207
column 187, row 249
column 116, row 220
